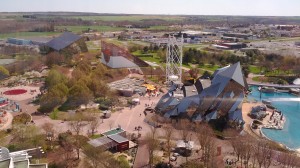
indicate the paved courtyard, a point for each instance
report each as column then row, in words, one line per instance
column 127, row 119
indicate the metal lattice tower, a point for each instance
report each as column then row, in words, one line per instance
column 174, row 60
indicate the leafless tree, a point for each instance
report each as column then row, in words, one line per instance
column 185, row 131
column 48, row 127
column 263, row 153
column 258, row 149
column 76, row 123
column 68, row 152
column 184, row 126
column 19, row 131
column 93, row 124
column 111, row 124
column 169, row 131
column 98, row 157
column 288, row 159
column 268, row 154
column 237, row 145
column 247, row 152
column 203, row 134
column 209, row 153
column 205, row 137
column 152, row 144
column 50, row 131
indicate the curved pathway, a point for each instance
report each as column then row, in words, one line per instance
column 7, row 125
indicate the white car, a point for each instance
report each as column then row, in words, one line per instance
column 172, row 158
column 175, row 154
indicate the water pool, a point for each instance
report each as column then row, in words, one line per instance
column 290, row 106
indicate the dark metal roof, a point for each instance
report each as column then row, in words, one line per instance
column 233, row 72
column 63, row 41
column 189, row 91
column 118, row 62
column 100, row 141
column 117, row 138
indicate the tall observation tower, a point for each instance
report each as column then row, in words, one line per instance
column 174, row 59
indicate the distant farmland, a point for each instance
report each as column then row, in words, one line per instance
column 27, row 34
column 130, row 18
column 79, row 29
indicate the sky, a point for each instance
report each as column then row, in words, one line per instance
column 172, row 7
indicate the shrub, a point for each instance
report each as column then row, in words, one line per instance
column 21, row 119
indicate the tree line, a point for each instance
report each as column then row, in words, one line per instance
column 84, row 85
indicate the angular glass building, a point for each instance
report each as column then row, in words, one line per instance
column 208, row 100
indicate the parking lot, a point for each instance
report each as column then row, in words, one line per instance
column 277, row 47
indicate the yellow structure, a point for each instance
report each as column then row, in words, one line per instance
column 150, row 87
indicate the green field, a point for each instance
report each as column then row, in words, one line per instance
column 117, row 42
column 255, row 69
column 154, row 58
column 79, row 29
column 96, row 136
column 158, row 28
column 141, row 43
column 196, row 46
column 209, row 67
column 93, row 46
column 129, row 18
column 27, row 34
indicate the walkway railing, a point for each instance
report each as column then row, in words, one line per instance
column 273, row 85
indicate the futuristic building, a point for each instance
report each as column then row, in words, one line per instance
column 114, row 56
column 207, row 100
column 19, row 159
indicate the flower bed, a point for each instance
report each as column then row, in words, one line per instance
column 15, row 92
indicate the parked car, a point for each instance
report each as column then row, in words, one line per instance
column 172, row 158
column 149, row 109
column 175, row 154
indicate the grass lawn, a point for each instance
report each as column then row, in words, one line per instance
column 93, row 47
column 79, row 29
column 255, row 69
column 197, row 46
column 260, row 79
column 95, row 136
column 209, row 67
column 154, row 57
column 58, row 115
column 278, row 72
column 158, row 28
column 187, row 65
column 151, row 59
column 142, row 43
column 27, row 34
column 117, row 42
column 3, row 133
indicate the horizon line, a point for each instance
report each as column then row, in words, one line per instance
column 152, row 14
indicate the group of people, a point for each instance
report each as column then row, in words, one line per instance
column 138, row 128
column 149, row 105
column 229, row 162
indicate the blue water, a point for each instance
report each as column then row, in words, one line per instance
column 290, row 106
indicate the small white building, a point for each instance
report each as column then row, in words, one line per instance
column 19, row 159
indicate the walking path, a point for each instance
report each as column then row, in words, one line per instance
column 273, row 85
column 7, row 125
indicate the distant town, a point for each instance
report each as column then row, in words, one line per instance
column 88, row 90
